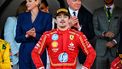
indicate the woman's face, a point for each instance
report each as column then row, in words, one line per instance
column 31, row 4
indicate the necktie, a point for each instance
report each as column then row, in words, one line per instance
column 109, row 13
column 74, row 13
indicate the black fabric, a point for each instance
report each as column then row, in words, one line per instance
column 74, row 13
column 85, row 20
column 44, row 57
column 120, row 42
column 109, row 13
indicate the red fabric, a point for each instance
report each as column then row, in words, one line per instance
column 116, row 64
column 68, row 42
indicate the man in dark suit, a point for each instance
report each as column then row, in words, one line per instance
column 106, row 27
column 82, row 20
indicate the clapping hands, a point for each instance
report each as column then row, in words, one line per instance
column 74, row 22
column 31, row 33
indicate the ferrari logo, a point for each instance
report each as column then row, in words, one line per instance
column 71, row 37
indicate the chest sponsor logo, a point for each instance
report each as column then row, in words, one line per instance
column 71, row 37
column 63, row 57
column 55, row 37
column 54, row 44
column 71, row 46
column 55, row 49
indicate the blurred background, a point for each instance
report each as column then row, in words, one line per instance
column 8, row 7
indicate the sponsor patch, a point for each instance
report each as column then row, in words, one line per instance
column 63, row 57
column 54, row 44
column 55, row 37
column 71, row 46
column 71, row 37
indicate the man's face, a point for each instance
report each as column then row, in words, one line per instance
column 108, row 2
column 62, row 21
column 74, row 4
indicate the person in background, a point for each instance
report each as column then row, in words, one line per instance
column 44, row 6
column 81, row 19
column 4, row 55
column 30, row 26
column 106, row 26
column 10, row 32
column 63, row 45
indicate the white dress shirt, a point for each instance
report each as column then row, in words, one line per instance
column 71, row 12
column 76, row 12
column 112, row 7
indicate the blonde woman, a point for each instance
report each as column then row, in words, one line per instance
column 30, row 27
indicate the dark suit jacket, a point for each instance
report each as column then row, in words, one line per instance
column 42, row 23
column 101, row 24
column 85, row 20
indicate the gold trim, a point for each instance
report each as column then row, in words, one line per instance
column 52, row 32
column 42, row 44
column 81, row 39
column 62, row 10
column 72, row 32
column 62, row 64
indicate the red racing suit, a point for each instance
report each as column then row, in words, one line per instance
column 63, row 48
column 116, row 63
